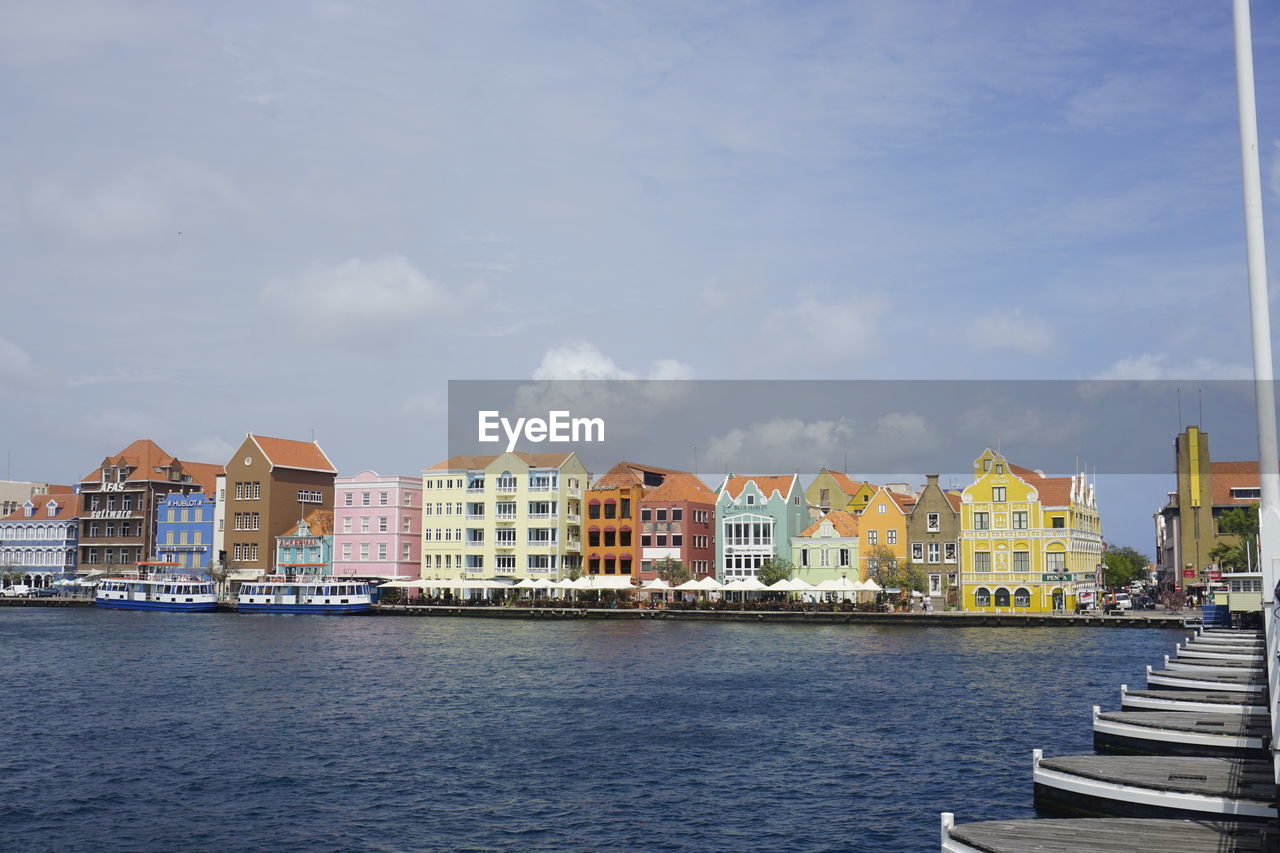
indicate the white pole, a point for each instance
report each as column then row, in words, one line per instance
column 1263, row 373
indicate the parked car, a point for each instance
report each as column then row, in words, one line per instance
column 45, row 591
column 15, row 591
column 1122, row 601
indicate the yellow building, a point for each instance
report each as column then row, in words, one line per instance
column 507, row 517
column 834, row 491
column 882, row 525
column 1028, row 543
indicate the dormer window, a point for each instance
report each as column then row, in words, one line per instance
column 751, row 499
column 52, row 508
column 28, row 509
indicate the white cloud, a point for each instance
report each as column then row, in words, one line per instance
column 1150, row 365
column 152, row 201
column 780, row 445
column 360, row 295
column 584, row 360
column 843, row 328
column 16, row 368
column 1011, row 330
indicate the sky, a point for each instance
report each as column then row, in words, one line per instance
column 296, row 217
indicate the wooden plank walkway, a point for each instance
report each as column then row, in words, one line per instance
column 1112, row 835
column 1230, row 725
column 1208, row 777
column 1186, row 679
column 1227, row 703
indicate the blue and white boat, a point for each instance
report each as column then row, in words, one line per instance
column 305, row 594
column 158, row 587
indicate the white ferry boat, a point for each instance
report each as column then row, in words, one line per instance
column 157, row 586
column 305, row 594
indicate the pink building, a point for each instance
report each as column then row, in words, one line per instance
column 377, row 526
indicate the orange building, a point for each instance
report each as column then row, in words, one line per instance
column 883, row 524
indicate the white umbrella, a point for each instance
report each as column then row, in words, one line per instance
column 871, row 586
column 751, row 584
column 396, row 584
column 782, row 585
column 611, row 582
column 690, row 584
column 657, row 585
column 527, row 583
column 583, row 582
column 543, row 583
column 798, row 585
column 840, row 584
column 710, row 583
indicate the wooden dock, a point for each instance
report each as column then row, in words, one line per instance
column 1148, row 786
column 1222, row 682
column 1180, row 733
column 1196, row 701
column 1106, row 836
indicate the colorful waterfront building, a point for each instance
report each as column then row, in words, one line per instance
column 677, row 522
column 836, row 490
column 613, row 525
column 882, row 528
column 933, row 531
column 756, row 518
column 271, row 483
column 307, row 547
column 827, row 549
column 121, row 501
column 1027, row 542
column 1187, row 525
column 377, row 527
column 38, row 539
column 14, row 493
column 185, row 530
column 507, row 517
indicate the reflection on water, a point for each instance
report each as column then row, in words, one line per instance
column 165, row 731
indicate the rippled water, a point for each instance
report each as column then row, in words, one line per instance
column 158, row 731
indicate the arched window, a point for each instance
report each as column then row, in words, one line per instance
column 982, row 597
column 1022, row 598
column 1002, row 597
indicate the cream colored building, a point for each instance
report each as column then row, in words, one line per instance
column 513, row 516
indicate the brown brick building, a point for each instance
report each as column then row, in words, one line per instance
column 933, row 531
column 271, row 484
column 120, row 499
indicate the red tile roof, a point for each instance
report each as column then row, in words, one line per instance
column 319, row 521
column 1052, row 491
column 845, row 482
column 288, row 453
column 143, row 455
column 59, row 490
column 845, row 523
column 1228, row 475
column 904, row 502
column 767, row 484
column 204, row 474
column 475, row 463
column 955, row 499
column 681, row 486
column 68, row 507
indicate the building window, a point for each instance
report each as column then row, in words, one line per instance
column 935, row 552
column 844, row 558
column 949, row 552
column 982, row 597
column 982, row 561
column 644, row 513
column 997, row 496
column 891, row 537
column 917, row 552
column 824, row 558
column 981, row 521
column 253, row 552
column 346, row 498
column 310, row 496
column 364, row 524
column 1055, row 561
column 1021, row 561
column 660, row 514
column 239, row 494
column 933, row 522
column 382, row 524
column 405, row 553
column 1002, row 597
column 257, row 495
column 1019, row 521
column 346, row 525
column 382, row 498
column 1058, row 522
column 873, row 537
column 382, row 551
column 406, row 525
column 1022, row 598
column 804, row 558
column 364, row 550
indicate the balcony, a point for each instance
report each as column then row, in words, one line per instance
column 541, row 487
column 473, row 516
column 505, row 570
column 573, row 518
column 505, row 516
column 541, row 543
column 505, row 544
column 573, row 545
column 505, row 487
column 475, row 490
column 543, row 515
column 573, row 492
column 475, row 543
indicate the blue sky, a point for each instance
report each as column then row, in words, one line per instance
column 286, row 217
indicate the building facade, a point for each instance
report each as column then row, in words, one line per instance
column 184, row 530
column 933, row 534
column 307, row 547
column 1027, row 542
column 38, row 539
column 835, row 490
column 613, row 529
column 272, row 483
column 121, row 501
column 377, row 523
column 14, row 493
column 827, row 549
column 756, row 518
column 1187, row 525
column 882, row 528
column 513, row 516
column 678, row 522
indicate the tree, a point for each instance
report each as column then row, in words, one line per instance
column 1121, row 566
column 573, row 572
column 672, row 571
column 1241, row 522
column 891, row 572
column 1231, row 555
column 773, row 570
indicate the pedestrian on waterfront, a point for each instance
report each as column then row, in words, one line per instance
column 928, row 604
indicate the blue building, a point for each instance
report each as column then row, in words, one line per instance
column 307, row 548
column 38, row 540
column 184, row 530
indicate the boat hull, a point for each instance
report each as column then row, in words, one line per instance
column 167, row 606
column 355, row 609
